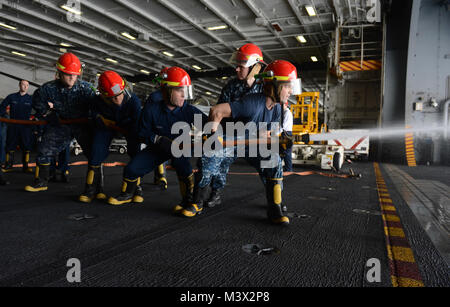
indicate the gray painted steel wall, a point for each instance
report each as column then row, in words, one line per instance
column 428, row 72
column 355, row 104
column 417, row 69
column 9, row 85
column 394, row 79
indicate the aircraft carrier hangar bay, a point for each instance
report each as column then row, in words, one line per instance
column 358, row 195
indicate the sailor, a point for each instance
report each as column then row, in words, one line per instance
column 70, row 100
column 286, row 151
column 280, row 81
column 248, row 60
column 159, row 174
column 155, row 129
column 20, row 105
column 115, row 110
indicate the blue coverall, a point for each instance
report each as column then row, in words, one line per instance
column 20, row 108
column 157, row 120
column 159, row 174
column 125, row 116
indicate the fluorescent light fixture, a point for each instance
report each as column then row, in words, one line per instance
column 224, row 78
column 98, row 74
column 63, row 50
column 70, row 9
column 7, row 26
column 128, row 35
column 145, row 71
column 18, row 53
column 314, row 59
column 196, row 67
column 310, row 10
column 217, row 28
column 111, row 60
column 301, row 39
column 208, row 93
column 168, row 53
column 65, row 45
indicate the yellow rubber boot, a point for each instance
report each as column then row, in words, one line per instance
column 127, row 193
column 41, row 177
column 274, row 201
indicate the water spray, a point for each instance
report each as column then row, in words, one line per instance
column 372, row 133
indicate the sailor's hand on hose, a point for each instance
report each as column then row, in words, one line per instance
column 213, row 139
column 101, row 122
column 164, row 144
column 286, row 140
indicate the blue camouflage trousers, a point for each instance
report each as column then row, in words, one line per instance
column 216, row 167
column 55, row 139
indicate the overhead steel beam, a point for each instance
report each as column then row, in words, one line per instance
column 260, row 14
column 63, row 37
column 118, row 19
column 154, row 20
column 300, row 19
column 98, row 26
column 174, row 9
column 230, row 23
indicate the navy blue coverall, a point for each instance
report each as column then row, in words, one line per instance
column 126, row 116
column 157, row 120
column 20, row 108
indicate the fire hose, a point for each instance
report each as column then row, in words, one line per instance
column 224, row 143
column 61, row 121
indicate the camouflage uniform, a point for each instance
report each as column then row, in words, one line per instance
column 68, row 104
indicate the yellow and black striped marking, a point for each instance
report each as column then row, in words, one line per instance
column 409, row 144
column 403, row 267
column 360, row 65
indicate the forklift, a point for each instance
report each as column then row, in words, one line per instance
column 306, row 121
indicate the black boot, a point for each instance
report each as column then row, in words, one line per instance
column 214, row 198
column 127, row 194
column 52, row 176
column 9, row 161
column 100, row 186
column 196, row 206
column 138, row 193
column 65, row 176
column 41, row 177
column 3, row 181
column 186, row 191
column 160, row 177
column 93, row 182
column 274, row 202
column 25, row 160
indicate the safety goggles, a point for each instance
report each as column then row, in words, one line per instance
column 296, row 85
column 238, row 59
column 188, row 91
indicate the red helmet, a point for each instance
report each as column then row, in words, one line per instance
column 69, row 63
column 283, row 72
column 110, row 84
column 178, row 77
column 163, row 71
column 248, row 55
